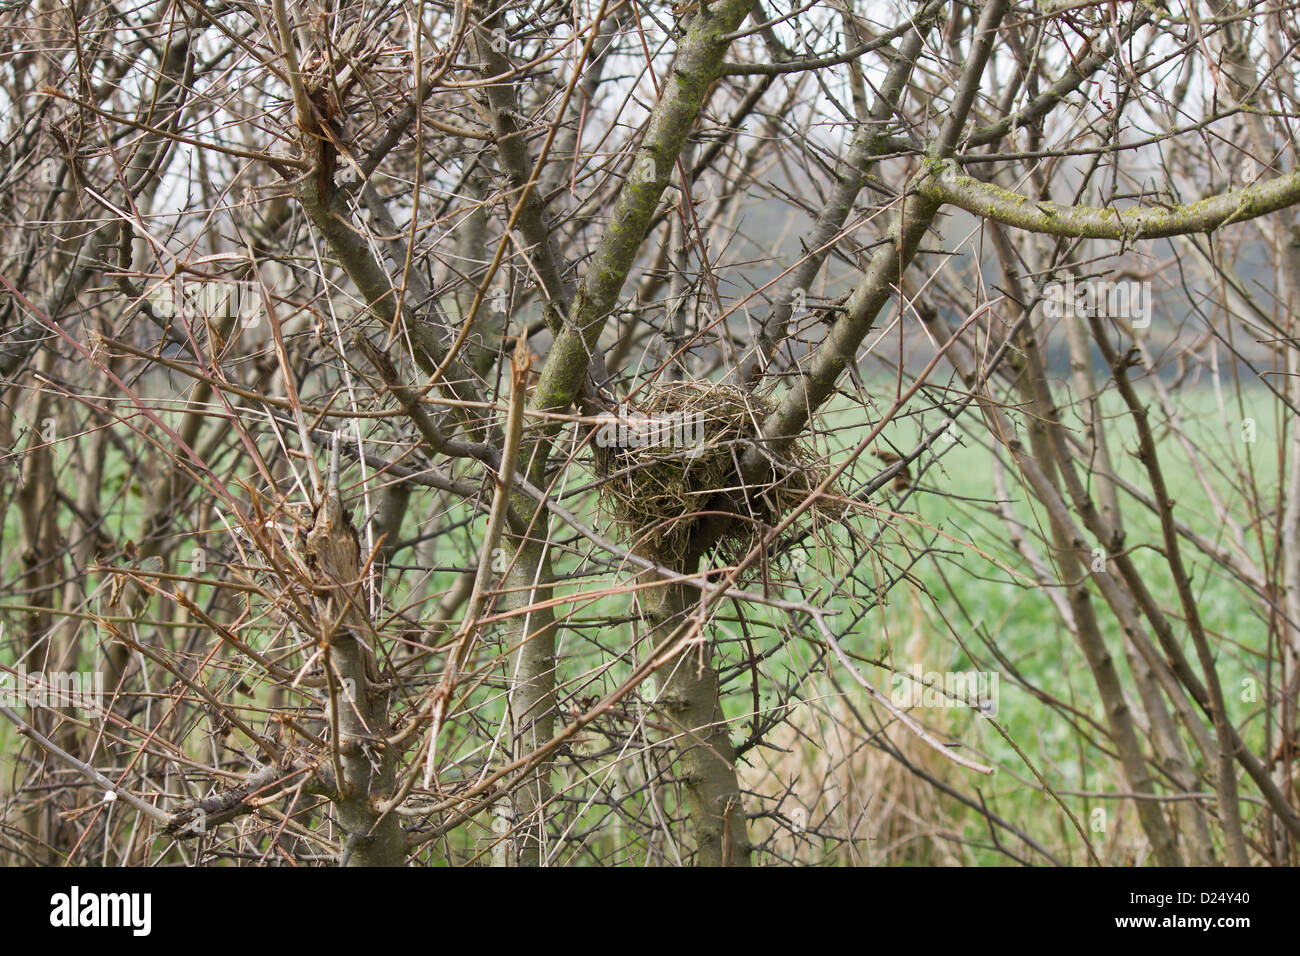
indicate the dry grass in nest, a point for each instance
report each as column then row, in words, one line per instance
column 698, row 431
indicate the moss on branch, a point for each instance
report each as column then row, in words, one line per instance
column 946, row 184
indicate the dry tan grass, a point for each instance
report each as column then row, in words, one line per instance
column 857, row 805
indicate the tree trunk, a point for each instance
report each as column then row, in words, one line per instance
column 687, row 696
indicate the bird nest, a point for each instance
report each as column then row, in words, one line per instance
column 676, row 454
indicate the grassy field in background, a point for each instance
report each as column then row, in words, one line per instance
column 974, row 594
column 969, row 595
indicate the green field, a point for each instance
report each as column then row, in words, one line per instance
column 964, row 594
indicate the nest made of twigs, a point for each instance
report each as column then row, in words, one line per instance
column 675, row 453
